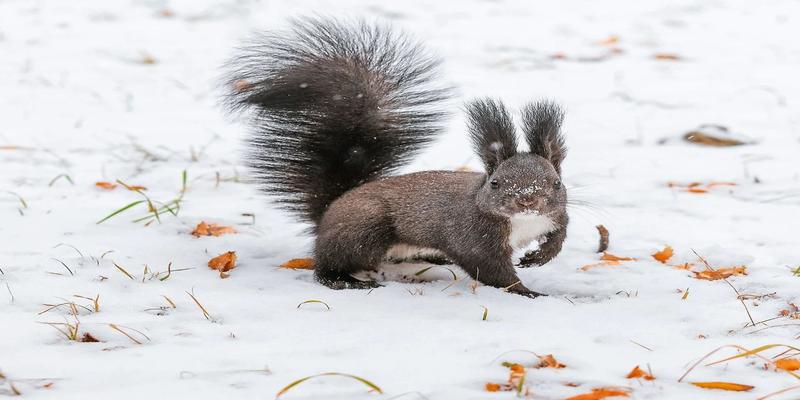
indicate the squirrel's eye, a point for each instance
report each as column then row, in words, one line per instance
column 494, row 183
column 557, row 184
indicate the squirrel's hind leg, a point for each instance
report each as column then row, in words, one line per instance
column 350, row 245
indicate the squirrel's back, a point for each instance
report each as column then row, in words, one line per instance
column 334, row 105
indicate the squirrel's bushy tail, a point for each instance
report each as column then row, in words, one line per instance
column 334, row 105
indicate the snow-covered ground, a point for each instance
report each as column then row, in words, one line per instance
column 98, row 91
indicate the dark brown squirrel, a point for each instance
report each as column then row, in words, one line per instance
column 337, row 107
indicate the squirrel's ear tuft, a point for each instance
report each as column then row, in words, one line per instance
column 541, row 122
column 492, row 132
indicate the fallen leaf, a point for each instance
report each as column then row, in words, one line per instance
column 299, row 263
column 493, row 387
column 135, row 188
column 664, row 255
column 516, row 378
column 712, row 185
column 610, row 257
column 666, row 57
column 600, row 393
column 223, row 263
column 611, row 39
column 720, row 273
column 788, row 364
column 600, row 264
column 147, row 59
column 640, row 373
column 736, row 387
column 792, row 312
column 549, row 361
column 716, row 135
column 106, row 185
column 204, row 229
column 88, row 338
column 685, row 266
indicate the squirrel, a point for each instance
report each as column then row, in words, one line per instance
column 338, row 107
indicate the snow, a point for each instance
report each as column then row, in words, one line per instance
column 127, row 90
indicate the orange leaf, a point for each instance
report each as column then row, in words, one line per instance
column 610, row 257
column 135, row 188
column 299, row 263
column 612, row 39
column 788, row 364
column 600, row 264
column 600, row 393
column 664, row 255
column 639, row 373
column 666, row 57
column 106, row 185
column 792, row 312
column 223, row 263
column 720, row 273
column 696, row 190
column 736, row 387
column 685, row 266
column 204, row 229
column 549, row 361
column 712, row 185
column 492, row 387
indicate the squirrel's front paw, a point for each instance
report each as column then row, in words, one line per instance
column 529, row 293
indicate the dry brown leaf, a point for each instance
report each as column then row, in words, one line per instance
column 135, row 188
column 88, row 338
column 664, row 255
column 720, row 273
column 106, row 185
column 223, row 263
column 736, row 387
column 204, row 229
column 792, row 312
column 611, row 39
column 637, row 372
column 549, row 361
column 788, row 364
column 610, row 257
column 515, row 379
column 600, row 264
column 600, row 393
column 299, row 263
column 666, row 57
column 711, row 139
column 494, row 387
column 698, row 187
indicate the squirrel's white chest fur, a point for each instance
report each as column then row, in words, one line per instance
column 525, row 228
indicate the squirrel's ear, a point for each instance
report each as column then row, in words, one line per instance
column 541, row 122
column 492, row 132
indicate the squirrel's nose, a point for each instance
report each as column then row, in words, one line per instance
column 529, row 202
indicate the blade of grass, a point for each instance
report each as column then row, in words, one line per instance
column 123, row 271
column 205, row 312
column 65, row 265
column 301, row 380
column 123, row 209
column 314, row 301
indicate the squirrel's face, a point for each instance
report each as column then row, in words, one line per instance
column 525, row 183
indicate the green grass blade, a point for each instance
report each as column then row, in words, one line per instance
column 123, row 209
